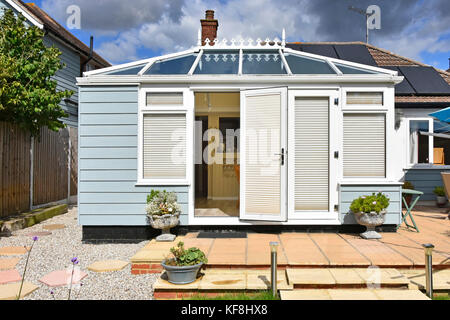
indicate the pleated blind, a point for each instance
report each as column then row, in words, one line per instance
column 164, row 146
column 365, row 98
column 311, row 154
column 164, row 98
column 364, row 145
column 262, row 167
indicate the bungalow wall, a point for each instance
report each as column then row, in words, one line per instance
column 108, row 138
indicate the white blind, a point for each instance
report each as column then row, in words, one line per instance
column 164, row 146
column 364, row 145
column 164, row 98
column 311, row 154
column 262, row 167
column 365, row 98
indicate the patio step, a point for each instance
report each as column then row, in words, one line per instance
column 352, row 294
column 219, row 281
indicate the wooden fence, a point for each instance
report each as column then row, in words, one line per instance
column 36, row 172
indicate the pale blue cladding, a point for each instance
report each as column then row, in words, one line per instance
column 347, row 193
column 108, row 139
column 425, row 180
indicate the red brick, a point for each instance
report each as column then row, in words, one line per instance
column 140, row 266
column 165, row 295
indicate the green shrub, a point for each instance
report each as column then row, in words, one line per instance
column 439, row 191
column 408, row 185
column 186, row 257
column 375, row 202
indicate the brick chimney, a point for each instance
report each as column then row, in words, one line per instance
column 209, row 27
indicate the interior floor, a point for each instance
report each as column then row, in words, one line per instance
column 216, row 208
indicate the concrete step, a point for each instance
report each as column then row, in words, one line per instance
column 352, row 294
column 337, row 278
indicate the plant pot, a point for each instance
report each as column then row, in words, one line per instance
column 370, row 221
column 441, row 201
column 181, row 274
column 408, row 199
column 164, row 222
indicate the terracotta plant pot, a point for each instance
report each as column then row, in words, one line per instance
column 370, row 221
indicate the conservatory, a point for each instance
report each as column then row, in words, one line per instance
column 245, row 132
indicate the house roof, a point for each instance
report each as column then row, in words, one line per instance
column 59, row 31
column 412, row 91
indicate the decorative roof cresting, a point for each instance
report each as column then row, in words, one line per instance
column 249, row 43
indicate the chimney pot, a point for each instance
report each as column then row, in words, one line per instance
column 209, row 27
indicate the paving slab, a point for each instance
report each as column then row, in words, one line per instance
column 11, row 290
column 60, row 278
column 305, row 294
column 8, row 276
column 260, row 280
column 346, row 276
column 163, row 284
column 258, row 249
column 223, row 281
column 352, row 294
column 383, row 276
column 441, row 278
column 377, row 252
column 8, row 263
column 397, row 294
column 302, row 277
column 338, row 251
column 55, row 226
column 302, row 251
column 108, row 265
column 11, row 251
column 228, row 251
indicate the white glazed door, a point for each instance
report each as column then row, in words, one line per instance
column 263, row 154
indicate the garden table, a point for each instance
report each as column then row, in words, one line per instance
column 409, row 208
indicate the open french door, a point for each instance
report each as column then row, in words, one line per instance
column 263, row 154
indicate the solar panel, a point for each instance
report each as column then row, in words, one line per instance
column 403, row 87
column 355, row 53
column 326, row 50
column 425, row 80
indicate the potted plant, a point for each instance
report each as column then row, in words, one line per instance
column 370, row 211
column 163, row 212
column 408, row 197
column 183, row 267
column 441, row 200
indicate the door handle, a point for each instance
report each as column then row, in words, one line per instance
column 282, row 156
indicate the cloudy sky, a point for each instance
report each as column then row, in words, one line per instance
column 136, row 29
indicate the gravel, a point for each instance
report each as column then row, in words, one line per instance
column 55, row 251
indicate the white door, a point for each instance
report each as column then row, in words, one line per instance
column 263, row 154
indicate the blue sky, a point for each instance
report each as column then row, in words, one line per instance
column 136, row 29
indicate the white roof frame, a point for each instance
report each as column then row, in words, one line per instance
column 30, row 17
column 241, row 45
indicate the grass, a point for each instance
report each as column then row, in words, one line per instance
column 441, row 297
column 263, row 295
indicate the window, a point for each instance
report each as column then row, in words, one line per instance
column 364, row 145
column 429, row 142
column 418, row 143
column 371, row 98
column 164, row 98
column 164, row 146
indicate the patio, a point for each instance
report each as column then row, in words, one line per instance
column 402, row 249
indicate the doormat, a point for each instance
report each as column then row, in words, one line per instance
column 214, row 235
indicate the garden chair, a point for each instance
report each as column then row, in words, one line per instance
column 446, row 180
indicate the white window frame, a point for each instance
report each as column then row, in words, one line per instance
column 388, row 109
column 186, row 109
column 333, row 163
column 430, row 141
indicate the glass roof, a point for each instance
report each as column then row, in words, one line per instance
column 235, row 61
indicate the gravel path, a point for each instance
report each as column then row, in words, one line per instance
column 54, row 252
